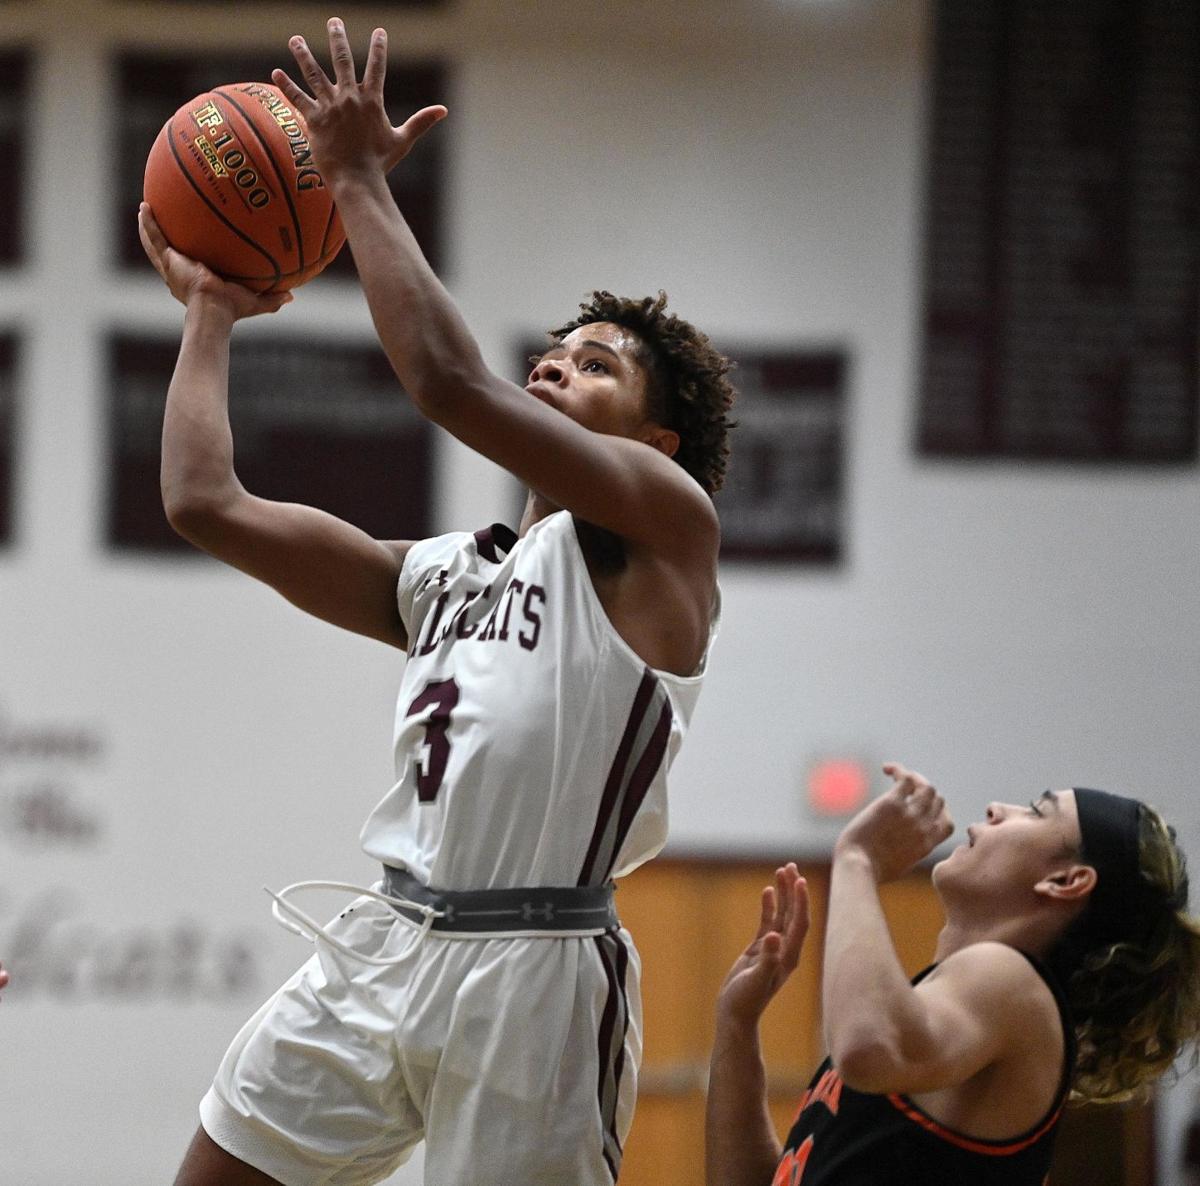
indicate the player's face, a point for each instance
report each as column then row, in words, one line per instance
column 593, row 375
column 1015, row 847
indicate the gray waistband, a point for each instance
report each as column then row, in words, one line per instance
column 525, row 908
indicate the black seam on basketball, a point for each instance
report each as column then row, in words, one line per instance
column 283, row 181
column 221, row 217
column 321, row 263
column 329, row 227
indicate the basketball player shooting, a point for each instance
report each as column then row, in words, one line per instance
column 482, row 996
column 1068, row 966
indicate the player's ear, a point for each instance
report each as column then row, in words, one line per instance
column 1071, row 883
column 665, row 440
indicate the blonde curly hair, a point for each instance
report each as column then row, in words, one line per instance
column 1136, row 1001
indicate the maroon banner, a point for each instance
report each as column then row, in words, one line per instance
column 1062, row 253
column 317, row 422
column 8, row 441
column 14, row 118
column 782, row 498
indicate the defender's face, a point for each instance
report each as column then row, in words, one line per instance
column 1016, row 847
column 593, row 375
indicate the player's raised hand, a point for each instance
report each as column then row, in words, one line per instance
column 761, row 970
column 348, row 127
column 187, row 278
column 903, row 826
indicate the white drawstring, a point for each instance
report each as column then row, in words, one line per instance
column 311, row 930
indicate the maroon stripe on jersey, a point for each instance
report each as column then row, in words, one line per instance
column 616, row 773
column 490, row 541
column 611, row 1063
column 640, row 780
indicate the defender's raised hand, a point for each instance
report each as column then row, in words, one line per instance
column 901, row 827
column 348, row 127
column 762, row 969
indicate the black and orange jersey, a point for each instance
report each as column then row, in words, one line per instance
column 852, row 1138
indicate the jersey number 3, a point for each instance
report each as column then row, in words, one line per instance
column 442, row 696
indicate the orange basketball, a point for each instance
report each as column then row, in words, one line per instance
column 232, row 183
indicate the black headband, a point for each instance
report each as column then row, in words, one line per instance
column 1122, row 901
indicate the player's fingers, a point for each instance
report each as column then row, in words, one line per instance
column 413, row 128
column 803, row 906
column 944, row 825
column 294, row 94
column 146, row 215
column 310, row 68
column 376, row 67
column 766, row 914
column 418, row 124
column 340, row 53
column 152, row 239
column 143, row 230
column 148, row 226
column 795, row 884
column 923, row 795
column 783, row 900
column 797, row 927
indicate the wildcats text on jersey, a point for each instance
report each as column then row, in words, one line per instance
column 472, row 618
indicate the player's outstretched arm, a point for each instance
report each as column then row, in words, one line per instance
column 325, row 566
column 740, row 1146
column 883, row 1034
column 606, row 480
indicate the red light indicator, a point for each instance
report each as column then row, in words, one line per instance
column 837, row 786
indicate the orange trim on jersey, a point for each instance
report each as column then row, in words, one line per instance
column 973, row 1144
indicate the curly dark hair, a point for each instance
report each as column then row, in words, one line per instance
column 687, row 388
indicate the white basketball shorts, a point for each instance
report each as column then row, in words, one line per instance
column 515, row 1059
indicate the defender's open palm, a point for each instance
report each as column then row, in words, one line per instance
column 187, row 278
column 348, row 127
column 763, row 968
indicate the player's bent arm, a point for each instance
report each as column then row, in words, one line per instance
column 740, row 1146
column 623, row 485
column 979, row 1006
column 325, row 566
column 321, row 564
column 627, row 487
column 877, row 1028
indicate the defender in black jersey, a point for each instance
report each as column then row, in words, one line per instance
column 1068, row 965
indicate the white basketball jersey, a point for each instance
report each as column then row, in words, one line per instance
column 531, row 743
